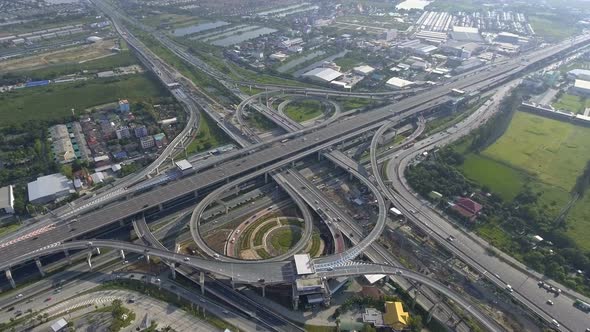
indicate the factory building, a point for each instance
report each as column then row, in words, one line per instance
column 49, row 188
column 581, row 88
column 323, row 75
column 6, row 200
column 466, row 34
column 398, row 83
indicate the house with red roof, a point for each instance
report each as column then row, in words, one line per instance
column 467, row 207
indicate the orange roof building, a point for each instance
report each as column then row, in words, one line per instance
column 395, row 316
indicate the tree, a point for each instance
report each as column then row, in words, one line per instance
column 368, row 328
column 415, row 323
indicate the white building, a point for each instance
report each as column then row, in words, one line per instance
column 7, row 200
column 582, row 74
column 398, row 83
column 49, row 188
column 581, row 87
column 323, row 75
column 363, row 70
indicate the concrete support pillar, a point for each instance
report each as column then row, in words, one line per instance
column 122, row 254
column 266, row 177
column 173, row 270
column 121, row 223
column 202, row 281
column 196, row 194
column 40, row 267
column 147, row 258
column 226, row 209
column 67, row 254
column 89, row 260
column 97, row 250
column 293, row 163
column 263, row 290
column 10, row 278
column 319, row 156
column 161, row 207
column 233, row 284
column 431, row 312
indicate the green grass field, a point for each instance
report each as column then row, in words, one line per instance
column 263, row 230
column 554, row 151
column 572, row 103
column 501, row 179
column 54, row 102
column 304, row 110
column 285, row 238
column 316, row 242
column 545, row 154
column 208, row 137
column 552, row 27
column 578, row 222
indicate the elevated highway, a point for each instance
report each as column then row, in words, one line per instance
column 271, row 272
column 305, row 143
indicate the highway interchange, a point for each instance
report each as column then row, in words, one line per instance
column 265, row 158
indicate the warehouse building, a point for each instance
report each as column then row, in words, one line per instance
column 49, row 188
column 581, row 88
column 398, row 83
column 467, row 34
column 323, row 75
column 6, row 200
column 581, row 74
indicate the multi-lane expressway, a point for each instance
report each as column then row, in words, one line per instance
column 272, row 156
column 500, row 270
column 275, row 154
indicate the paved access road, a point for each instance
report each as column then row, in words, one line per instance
column 467, row 246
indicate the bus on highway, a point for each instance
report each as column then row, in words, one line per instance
column 585, row 307
column 458, row 92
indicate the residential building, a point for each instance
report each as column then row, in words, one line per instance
column 61, row 144
column 373, row 316
column 123, row 132
column 6, row 200
column 140, row 131
column 147, row 142
column 124, row 105
column 467, row 207
column 395, row 316
column 49, row 188
column 160, row 140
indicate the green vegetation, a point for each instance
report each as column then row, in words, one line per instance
column 317, row 328
column 500, row 178
column 168, row 297
column 56, row 101
column 572, row 103
column 551, row 150
column 122, row 317
column 8, row 228
column 263, row 253
column 259, row 121
column 553, row 27
column 202, row 80
column 285, row 238
column 349, row 61
column 208, row 136
column 354, row 103
column 316, row 242
column 262, row 231
column 303, row 110
column 533, row 167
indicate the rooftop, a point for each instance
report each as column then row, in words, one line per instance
column 364, row 69
column 303, row 264
column 399, row 82
column 581, row 84
column 324, row 74
column 395, row 316
column 6, row 198
column 48, row 185
column 183, row 165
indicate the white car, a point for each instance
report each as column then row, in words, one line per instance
column 186, row 259
column 555, row 323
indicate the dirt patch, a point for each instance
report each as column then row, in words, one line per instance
column 216, row 240
column 75, row 54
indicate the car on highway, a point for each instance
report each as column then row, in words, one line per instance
column 18, row 296
column 48, row 299
column 186, row 259
column 549, row 302
column 555, row 323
